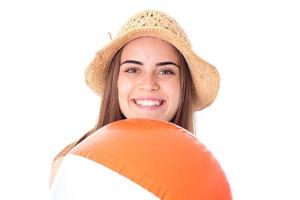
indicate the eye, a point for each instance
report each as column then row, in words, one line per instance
column 130, row 70
column 166, row 72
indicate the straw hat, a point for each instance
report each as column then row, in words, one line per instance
column 157, row 24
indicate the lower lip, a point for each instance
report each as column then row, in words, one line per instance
column 149, row 108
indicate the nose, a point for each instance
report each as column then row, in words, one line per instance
column 149, row 82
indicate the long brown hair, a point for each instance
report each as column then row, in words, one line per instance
column 110, row 109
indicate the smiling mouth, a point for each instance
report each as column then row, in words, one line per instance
column 148, row 103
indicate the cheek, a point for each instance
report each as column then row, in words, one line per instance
column 121, row 94
column 174, row 87
column 124, row 88
column 121, row 85
column 177, row 94
column 173, row 90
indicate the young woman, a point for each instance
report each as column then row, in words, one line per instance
column 149, row 71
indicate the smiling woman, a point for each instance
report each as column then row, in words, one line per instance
column 149, row 80
column 149, row 71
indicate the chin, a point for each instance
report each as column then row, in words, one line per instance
column 149, row 117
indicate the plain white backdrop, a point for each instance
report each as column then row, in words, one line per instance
column 252, row 128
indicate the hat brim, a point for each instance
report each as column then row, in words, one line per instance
column 205, row 77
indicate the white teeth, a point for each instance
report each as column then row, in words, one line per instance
column 148, row 102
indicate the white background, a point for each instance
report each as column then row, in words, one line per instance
column 252, row 128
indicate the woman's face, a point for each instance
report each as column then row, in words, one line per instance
column 149, row 79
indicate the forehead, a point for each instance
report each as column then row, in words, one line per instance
column 150, row 47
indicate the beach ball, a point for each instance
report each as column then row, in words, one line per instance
column 140, row 159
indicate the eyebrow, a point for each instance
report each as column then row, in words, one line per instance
column 157, row 64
